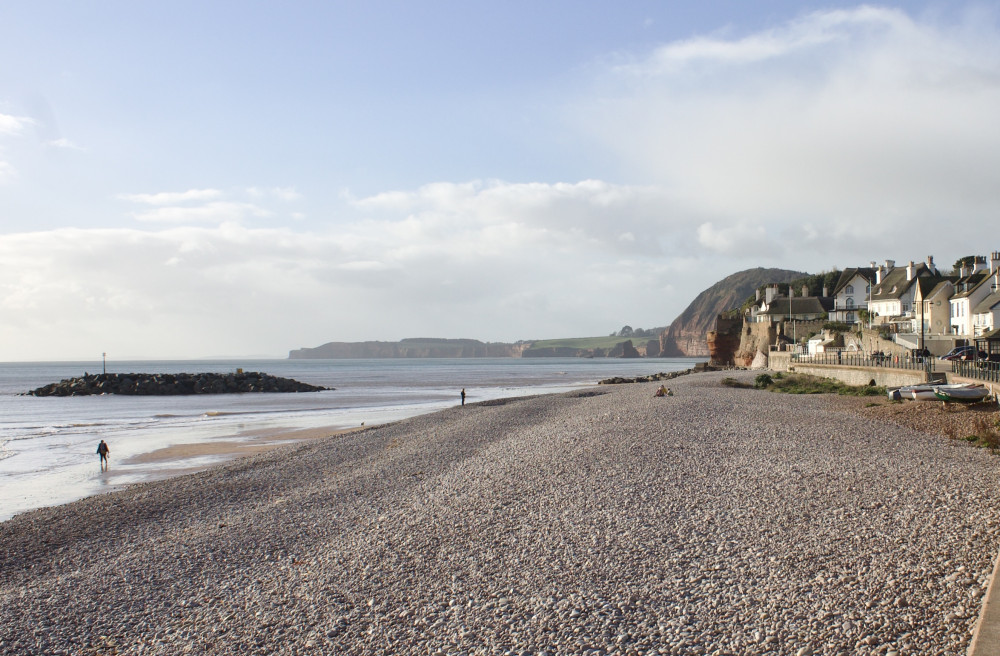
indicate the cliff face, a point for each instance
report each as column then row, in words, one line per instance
column 724, row 341
column 755, row 338
column 687, row 335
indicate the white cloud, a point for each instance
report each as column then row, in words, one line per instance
column 733, row 240
column 287, row 194
column 217, row 212
column 63, row 143
column 833, row 130
column 835, row 139
column 14, row 125
column 7, row 172
column 531, row 262
column 364, row 265
column 591, row 210
column 172, row 197
column 11, row 126
column 801, row 36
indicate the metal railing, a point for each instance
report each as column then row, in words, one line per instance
column 855, row 359
column 989, row 371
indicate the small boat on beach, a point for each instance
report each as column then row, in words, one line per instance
column 961, row 393
column 923, row 393
column 905, row 393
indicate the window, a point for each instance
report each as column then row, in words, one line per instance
column 849, row 289
column 850, row 302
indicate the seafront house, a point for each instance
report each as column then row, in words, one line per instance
column 986, row 315
column 776, row 309
column 975, row 283
column 892, row 299
column 850, row 294
column 936, row 310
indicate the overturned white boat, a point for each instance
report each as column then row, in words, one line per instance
column 905, row 393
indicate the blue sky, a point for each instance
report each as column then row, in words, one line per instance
column 193, row 179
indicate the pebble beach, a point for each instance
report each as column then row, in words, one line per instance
column 600, row 521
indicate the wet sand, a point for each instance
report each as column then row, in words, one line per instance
column 244, row 444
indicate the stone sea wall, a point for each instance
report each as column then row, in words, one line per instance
column 173, row 384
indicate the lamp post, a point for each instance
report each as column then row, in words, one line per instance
column 921, row 324
column 790, row 317
column 869, row 305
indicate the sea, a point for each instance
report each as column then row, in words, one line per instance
column 48, row 444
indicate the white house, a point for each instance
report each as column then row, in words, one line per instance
column 851, row 294
column 936, row 308
column 972, row 288
column 986, row 315
column 894, row 291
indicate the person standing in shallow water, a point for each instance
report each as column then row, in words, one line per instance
column 463, row 396
column 103, row 451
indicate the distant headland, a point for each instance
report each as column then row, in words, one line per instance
column 583, row 347
column 686, row 336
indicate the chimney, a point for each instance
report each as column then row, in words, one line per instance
column 769, row 293
column 757, row 292
column 791, row 292
column 994, row 261
column 805, row 291
column 964, row 271
column 978, row 264
column 909, row 271
column 825, row 295
column 878, row 275
column 889, row 265
column 930, row 264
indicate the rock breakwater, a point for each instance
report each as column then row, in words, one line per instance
column 652, row 378
column 173, row 384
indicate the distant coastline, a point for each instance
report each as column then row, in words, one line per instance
column 420, row 347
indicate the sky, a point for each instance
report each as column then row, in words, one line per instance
column 204, row 179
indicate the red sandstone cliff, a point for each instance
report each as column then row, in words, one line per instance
column 688, row 334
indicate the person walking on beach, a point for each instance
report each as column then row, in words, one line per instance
column 463, row 396
column 103, row 451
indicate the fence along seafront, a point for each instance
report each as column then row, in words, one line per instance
column 987, row 371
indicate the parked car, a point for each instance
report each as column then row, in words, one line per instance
column 959, row 353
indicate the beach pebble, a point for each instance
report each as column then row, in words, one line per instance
column 725, row 522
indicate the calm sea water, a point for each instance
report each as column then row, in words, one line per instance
column 47, row 444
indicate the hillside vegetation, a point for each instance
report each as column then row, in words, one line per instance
column 585, row 342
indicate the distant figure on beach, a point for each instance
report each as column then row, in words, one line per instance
column 663, row 391
column 463, row 396
column 103, row 451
